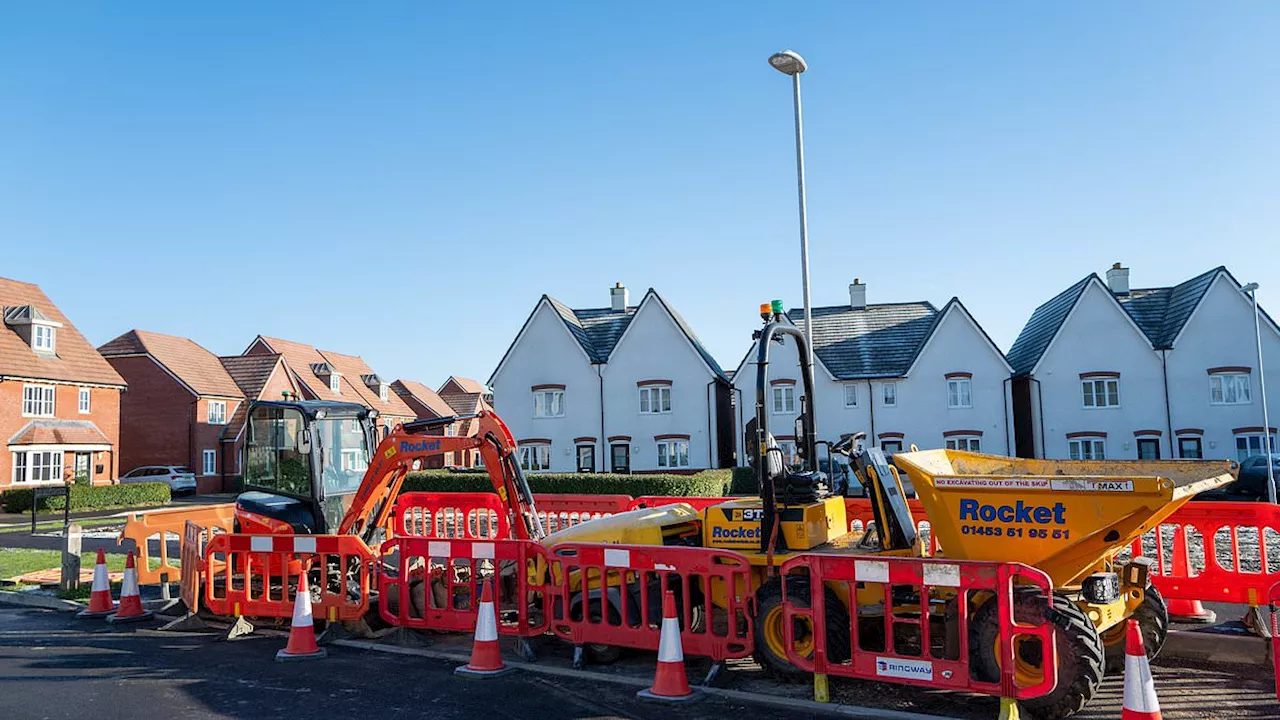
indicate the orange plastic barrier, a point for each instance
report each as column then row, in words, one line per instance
column 159, row 525
column 1225, row 546
column 1273, row 599
column 257, row 575
column 902, row 650
column 192, row 552
column 558, row 512
column 452, row 573
column 612, row 595
column 477, row 516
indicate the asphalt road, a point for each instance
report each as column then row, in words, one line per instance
column 54, row 666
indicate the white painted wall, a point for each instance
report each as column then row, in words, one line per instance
column 547, row 353
column 654, row 348
column 1221, row 333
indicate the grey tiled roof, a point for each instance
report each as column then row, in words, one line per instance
column 873, row 342
column 1160, row 313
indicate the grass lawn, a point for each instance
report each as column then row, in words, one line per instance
column 50, row 526
column 16, row 561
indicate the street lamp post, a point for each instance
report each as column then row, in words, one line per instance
column 1252, row 289
column 790, row 63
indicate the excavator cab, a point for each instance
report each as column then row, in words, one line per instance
column 303, row 462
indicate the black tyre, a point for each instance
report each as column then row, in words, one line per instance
column 770, row 644
column 1153, row 620
column 1081, row 663
column 596, row 653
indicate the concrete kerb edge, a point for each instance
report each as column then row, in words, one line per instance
column 1216, row 647
column 794, row 704
column 39, row 600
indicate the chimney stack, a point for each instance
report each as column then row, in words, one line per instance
column 1118, row 280
column 858, row 295
column 618, row 297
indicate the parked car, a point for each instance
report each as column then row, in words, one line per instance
column 180, row 479
column 1250, row 484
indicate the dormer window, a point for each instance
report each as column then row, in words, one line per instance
column 382, row 392
column 42, row 338
column 34, row 327
column 373, row 382
column 335, row 383
column 326, row 372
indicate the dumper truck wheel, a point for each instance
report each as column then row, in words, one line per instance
column 1153, row 620
column 770, row 640
column 1081, row 663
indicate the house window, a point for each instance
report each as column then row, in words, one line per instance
column 959, row 393
column 1101, row 393
column 655, row 399
column 1251, row 444
column 42, row 338
column 1229, row 389
column 673, row 453
column 354, row 460
column 889, row 393
column 1148, row 448
column 382, row 392
column 548, row 403
column 889, row 447
column 37, row 400
column 972, row 444
column 850, row 395
column 1088, row 449
column 210, row 458
column 217, row 412
column 535, row 457
column 586, row 458
column 784, row 399
column 1189, row 448
column 788, row 448
column 37, row 467
column 450, row 430
column 85, row 400
column 335, row 383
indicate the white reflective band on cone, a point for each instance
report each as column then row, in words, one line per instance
column 130, row 586
column 669, row 649
column 302, row 609
column 486, row 624
column 100, row 578
column 1139, row 686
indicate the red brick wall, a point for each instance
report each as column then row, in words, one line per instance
column 104, row 405
column 155, row 416
column 209, row 437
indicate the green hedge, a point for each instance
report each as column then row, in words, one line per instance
column 708, row 483
column 744, row 482
column 102, row 497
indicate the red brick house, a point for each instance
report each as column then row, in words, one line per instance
column 327, row 375
column 426, row 405
column 466, row 397
column 179, row 402
column 259, row 377
column 59, row 399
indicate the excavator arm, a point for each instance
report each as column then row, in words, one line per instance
column 408, row 444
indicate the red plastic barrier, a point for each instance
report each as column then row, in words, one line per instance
column 1226, row 545
column 476, row 516
column 940, row 663
column 624, row 585
column 1273, row 598
column 453, row 572
column 698, row 503
column 558, row 512
column 257, row 575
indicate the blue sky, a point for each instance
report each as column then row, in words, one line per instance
column 403, row 180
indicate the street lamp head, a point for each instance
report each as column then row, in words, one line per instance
column 788, row 62
column 1249, row 288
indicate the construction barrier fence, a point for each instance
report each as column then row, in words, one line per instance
column 192, row 553
column 257, row 575
column 157, row 527
column 475, row 516
column 912, row 621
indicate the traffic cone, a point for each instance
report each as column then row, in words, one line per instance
column 1186, row 611
column 100, row 602
column 1140, row 701
column 670, row 684
column 302, row 631
column 130, row 609
column 486, row 656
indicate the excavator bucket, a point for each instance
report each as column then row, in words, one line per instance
column 1061, row 516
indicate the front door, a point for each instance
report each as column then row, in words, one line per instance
column 82, row 468
column 1148, row 449
column 621, row 453
column 587, row 458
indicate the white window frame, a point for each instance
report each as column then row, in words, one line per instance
column 850, row 395
column 1219, row 390
column 548, row 403
column 209, row 462
column 40, row 397
column 970, row 443
column 788, row 448
column 535, row 457
column 51, row 462
column 783, row 399
column 889, row 394
column 1087, row 448
column 353, row 460
column 655, row 400
column 959, row 393
column 673, row 454
column 220, row 416
column 1250, row 448
column 49, row 332
column 1089, row 393
column 335, row 383
column 84, row 401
